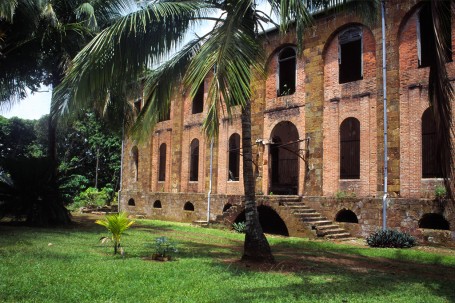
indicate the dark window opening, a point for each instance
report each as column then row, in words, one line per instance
column 162, row 164
column 135, row 158
column 234, row 157
column 188, row 206
column 434, row 221
column 131, row 202
column 287, row 70
column 198, row 100
column 426, row 37
column 350, row 56
column 157, row 204
column 194, row 160
column 226, row 207
column 431, row 164
column 346, row 215
column 350, row 149
column 166, row 116
column 270, row 221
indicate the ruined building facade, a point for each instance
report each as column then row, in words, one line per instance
column 317, row 137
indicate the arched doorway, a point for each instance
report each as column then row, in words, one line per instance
column 284, row 159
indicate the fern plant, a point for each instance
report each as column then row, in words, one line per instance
column 116, row 224
column 390, row 238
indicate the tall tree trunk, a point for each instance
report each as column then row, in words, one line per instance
column 256, row 248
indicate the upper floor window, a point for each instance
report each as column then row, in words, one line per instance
column 198, row 100
column 194, row 160
column 234, row 157
column 425, row 34
column 135, row 158
column 165, row 116
column 162, row 164
column 431, row 165
column 286, row 72
column 350, row 55
column 350, row 149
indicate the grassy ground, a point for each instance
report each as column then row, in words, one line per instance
column 75, row 267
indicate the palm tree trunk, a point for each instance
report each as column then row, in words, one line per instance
column 256, row 248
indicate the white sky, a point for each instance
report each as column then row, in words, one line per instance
column 32, row 107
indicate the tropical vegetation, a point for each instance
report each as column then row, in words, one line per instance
column 116, row 224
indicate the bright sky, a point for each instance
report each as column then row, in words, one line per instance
column 32, row 107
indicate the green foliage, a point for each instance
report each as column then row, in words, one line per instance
column 390, row 238
column 239, row 227
column 92, row 197
column 440, row 192
column 163, row 247
column 116, row 224
column 339, row 195
column 28, row 190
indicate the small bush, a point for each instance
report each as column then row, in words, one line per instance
column 163, row 248
column 440, row 192
column 390, row 238
column 92, row 197
column 239, row 227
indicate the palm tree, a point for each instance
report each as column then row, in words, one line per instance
column 230, row 53
column 440, row 90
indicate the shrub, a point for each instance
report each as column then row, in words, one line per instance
column 440, row 192
column 91, row 197
column 390, row 238
column 163, row 248
column 239, row 227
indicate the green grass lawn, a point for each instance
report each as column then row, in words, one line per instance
column 77, row 268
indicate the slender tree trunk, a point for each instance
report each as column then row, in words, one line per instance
column 97, row 165
column 256, row 247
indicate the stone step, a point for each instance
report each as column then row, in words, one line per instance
column 331, row 226
column 294, row 207
column 319, row 223
column 328, row 232
column 310, row 216
column 303, row 211
column 341, row 235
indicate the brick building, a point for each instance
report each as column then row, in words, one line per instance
column 317, row 136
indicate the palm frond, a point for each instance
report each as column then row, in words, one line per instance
column 7, row 8
column 86, row 12
column 110, row 59
column 441, row 92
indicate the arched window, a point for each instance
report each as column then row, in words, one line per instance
column 131, row 202
column 162, row 164
column 157, row 204
column 198, row 100
column 350, row 55
column 431, row 165
column 425, row 34
column 346, row 215
column 194, row 160
column 286, row 71
column 135, row 160
column 234, row 157
column 434, row 221
column 188, row 206
column 350, row 149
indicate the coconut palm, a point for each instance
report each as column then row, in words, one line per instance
column 116, row 224
column 230, row 55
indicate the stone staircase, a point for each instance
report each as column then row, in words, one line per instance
column 314, row 220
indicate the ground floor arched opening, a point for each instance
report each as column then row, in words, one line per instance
column 270, row 221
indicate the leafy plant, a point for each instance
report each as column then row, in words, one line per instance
column 92, row 197
column 390, row 238
column 440, row 192
column 239, row 227
column 116, row 224
column 163, row 248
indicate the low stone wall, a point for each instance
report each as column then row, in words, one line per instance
column 402, row 214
